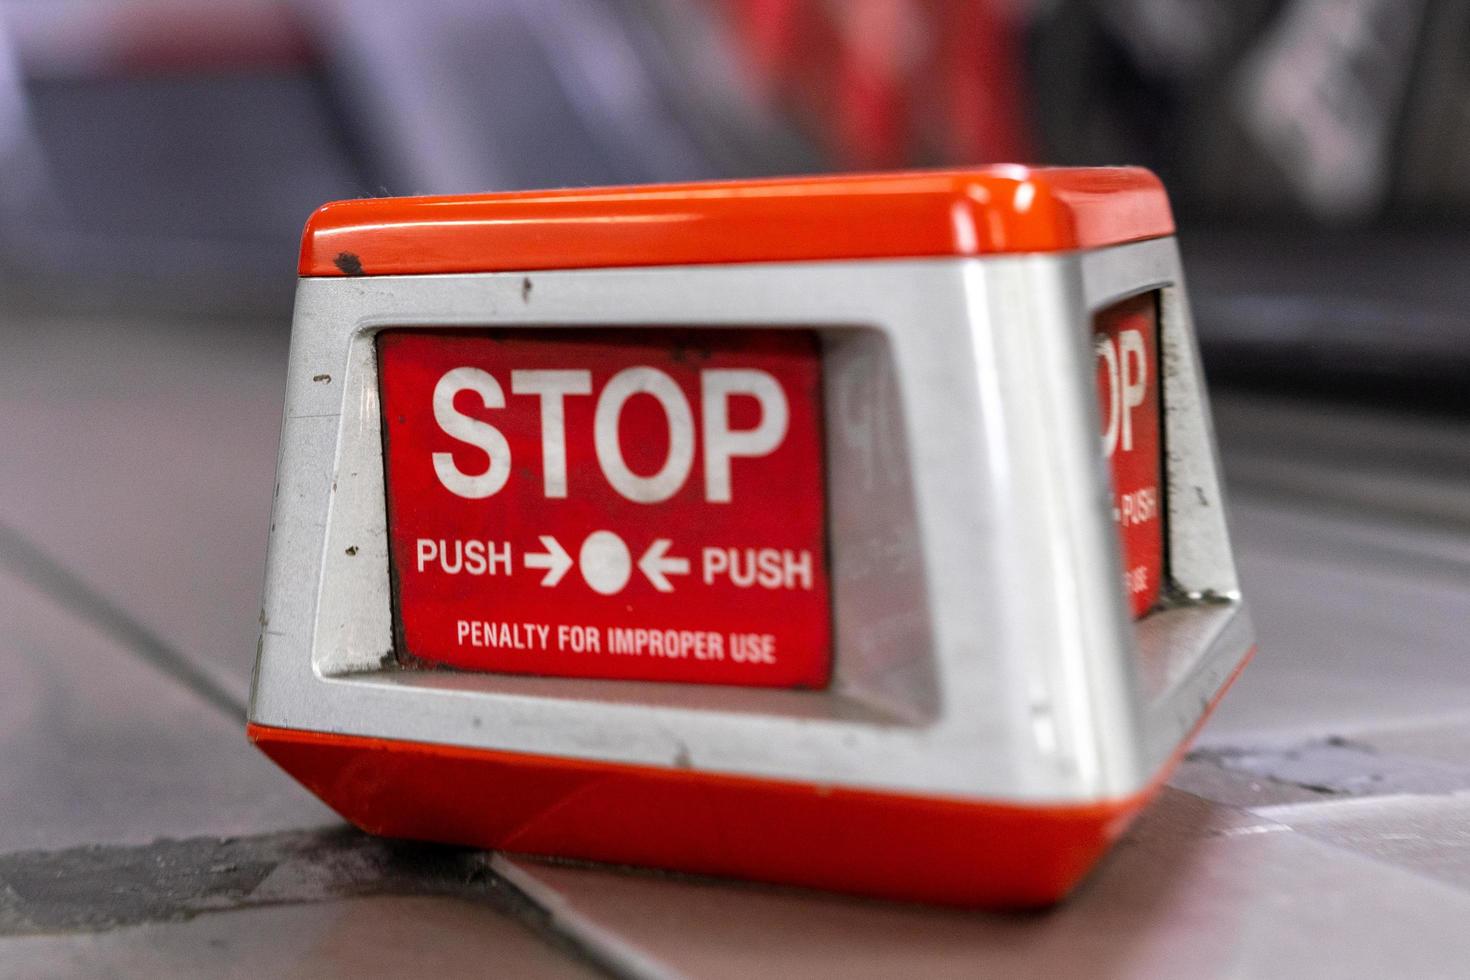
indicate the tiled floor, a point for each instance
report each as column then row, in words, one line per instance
column 97, row 747
column 1322, row 829
column 142, row 459
column 1197, row 891
column 363, row 937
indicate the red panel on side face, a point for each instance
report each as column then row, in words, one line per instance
column 641, row 505
column 1126, row 340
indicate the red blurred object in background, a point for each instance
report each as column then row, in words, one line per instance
column 886, row 83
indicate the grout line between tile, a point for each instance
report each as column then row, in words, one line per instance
column 622, row 958
column 23, row 558
column 95, row 889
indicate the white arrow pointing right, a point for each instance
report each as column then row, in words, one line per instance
column 656, row 566
column 554, row 559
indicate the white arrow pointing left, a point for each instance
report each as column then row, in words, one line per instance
column 657, row 566
column 554, row 559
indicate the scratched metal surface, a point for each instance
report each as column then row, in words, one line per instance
column 1321, row 827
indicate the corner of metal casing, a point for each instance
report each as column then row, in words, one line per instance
column 1069, row 642
column 1210, row 630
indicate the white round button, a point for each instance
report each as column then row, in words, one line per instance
column 605, row 562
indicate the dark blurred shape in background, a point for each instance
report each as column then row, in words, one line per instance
column 162, row 155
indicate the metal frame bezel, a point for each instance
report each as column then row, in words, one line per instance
column 1044, row 689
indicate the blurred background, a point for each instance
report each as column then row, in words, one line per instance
column 163, row 154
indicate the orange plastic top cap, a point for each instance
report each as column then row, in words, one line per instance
column 1001, row 209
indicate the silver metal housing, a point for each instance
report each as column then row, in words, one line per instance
column 983, row 648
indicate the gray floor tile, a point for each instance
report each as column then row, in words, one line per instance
column 1205, row 777
column 1196, row 891
column 98, row 747
column 1427, row 834
column 1445, row 743
column 1350, row 526
column 142, row 456
column 1352, row 634
column 1335, row 767
column 358, row 938
column 1338, row 456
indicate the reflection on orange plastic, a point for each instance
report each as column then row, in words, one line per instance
column 1000, row 209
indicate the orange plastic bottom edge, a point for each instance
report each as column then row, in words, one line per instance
column 887, row 845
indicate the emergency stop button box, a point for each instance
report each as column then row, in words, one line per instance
column 857, row 532
column 609, row 504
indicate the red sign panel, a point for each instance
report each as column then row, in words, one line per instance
column 1126, row 339
column 631, row 504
